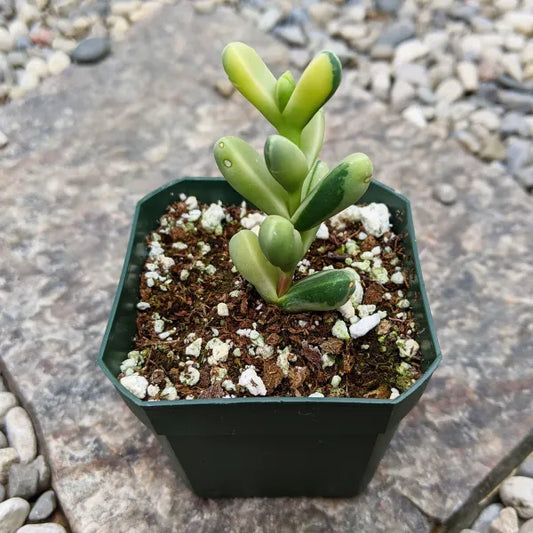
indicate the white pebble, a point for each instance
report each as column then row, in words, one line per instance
column 58, row 62
column 517, row 492
column 20, row 434
column 364, row 325
column 13, row 513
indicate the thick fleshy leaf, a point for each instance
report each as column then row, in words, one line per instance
column 316, row 86
column 323, row 291
column 284, row 88
column 342, row 187
column 249, row 260
column 245, row 170
column 280, row 242
column 286, row 162
column 252, row 78
column 313, row 137
column 316, row 175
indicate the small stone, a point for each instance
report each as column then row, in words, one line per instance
column 426, row 95
column 6, row 40
column 44, row 472
column 514, row 124
column 22, row 43
column 204, row 6
column 410, row 50
column 486, row 118
column 23, row 481
column 64, row 45
column 3, row 440
column 136, row 384
column 43, row 507
column 17, row 59
column 322, row 13
column 521, row 21
column 526, row 468
column 380, row 82
column 519, row 154
column 468, row 76
column 388, row 6
column 20, row 434
column 28, row 81
column 511, row 65
column 269, row 19
column 49, row 527
column 483, row 521
column 291, row 34
column 412, row 73
column 13, row 513
column 4, row 141
column 2, row 492
column 449, row 90
column 505, row 522
column 299, row 57
column 515, row 100
column 7, row 401
column 18, row 28
column 124, row 8
column 397, row 33
column 527, row 527
column 120, row 28
column 401, row 94
column 517, row 492
column 38, row 67
column 8, row 457
column 415, row 115
column 91, row 50
column 525, row 177
column 58, row 62
column 225, row 88
column 493, row 149
column 445, row 193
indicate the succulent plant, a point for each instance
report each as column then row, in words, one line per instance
column 295, row 189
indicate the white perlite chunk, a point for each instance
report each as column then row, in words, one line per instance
column 361, row 328
column 350, row 214
column 142, row 306
column 335, row 381
column 212, row 217
column 283, row 362
column 159, row 326
column 228, row 385
column 517, row 492
column 169, row 392
column 327, row 360
column 136, row 384
column 323, row 232
column 222, row 309
column 366, row 310
column 375, row 219
column 347, row 310
column 252, row 220
column 397, row 278
column 152, row 390
column 379, row 275
column 219, row 351
column 340, row 330
column 316, row 395
column 190, row 376
column 252, row 382
column 194, row 348
column 394, row 393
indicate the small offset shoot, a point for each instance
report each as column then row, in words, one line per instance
column 295, row 189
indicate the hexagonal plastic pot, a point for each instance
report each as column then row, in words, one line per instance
column 246, row 447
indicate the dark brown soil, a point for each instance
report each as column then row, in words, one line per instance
column 368, row 366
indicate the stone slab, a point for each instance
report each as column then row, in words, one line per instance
column 96, row 139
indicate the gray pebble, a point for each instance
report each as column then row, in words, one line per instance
column 291, row 34
column 485, row 518
column 519, row 154
column 412, row 73
column 3, row 440
column 13, row 513
column 397, row 33
column 514, row 123
column 91, row 50
column 22, row 42
column 463, row 12
column 526, row 468
column 445, row 193
column 43, row 507
column 505, row 522
column 389, row 6
column 7, row 401
column 468, row 141
column 2, row 492
column 49, row 527
column 44, row 473
column 517, row 492
column 527, row 527
column 17, row 58
column 525, row 178
column 8, row 456
column 426, row 95
column 515, row 100
column 20, row 434
column 23, row 481
column 269, row 19
column 299, row 57
column 401, row 94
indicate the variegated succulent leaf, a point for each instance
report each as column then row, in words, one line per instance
column 342, row 187
column 312, row 137
column 284, row 89
column 317, row 173
column 280, row 242
column 286, row 162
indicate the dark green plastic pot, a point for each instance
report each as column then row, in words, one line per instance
column 266, row 446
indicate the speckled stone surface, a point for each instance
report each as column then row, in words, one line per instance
column 85, row 149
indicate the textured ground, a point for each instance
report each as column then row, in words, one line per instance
column 85, row 149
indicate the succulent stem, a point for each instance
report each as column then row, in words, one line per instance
column 284, row 283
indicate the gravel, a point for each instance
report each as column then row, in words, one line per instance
column 20, row 434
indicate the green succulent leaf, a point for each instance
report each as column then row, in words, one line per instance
column 280, row 242
column 286, row 162
column 342, row 187
column 318, row 173
column 249, row 260
column 252, row 78
column 284, row 88
column 245, row 170
column 313, row 137
column 323, row 291
column 316, row 86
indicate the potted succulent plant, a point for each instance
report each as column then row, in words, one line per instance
column 252, row 364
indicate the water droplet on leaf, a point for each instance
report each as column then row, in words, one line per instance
column 227, row 162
